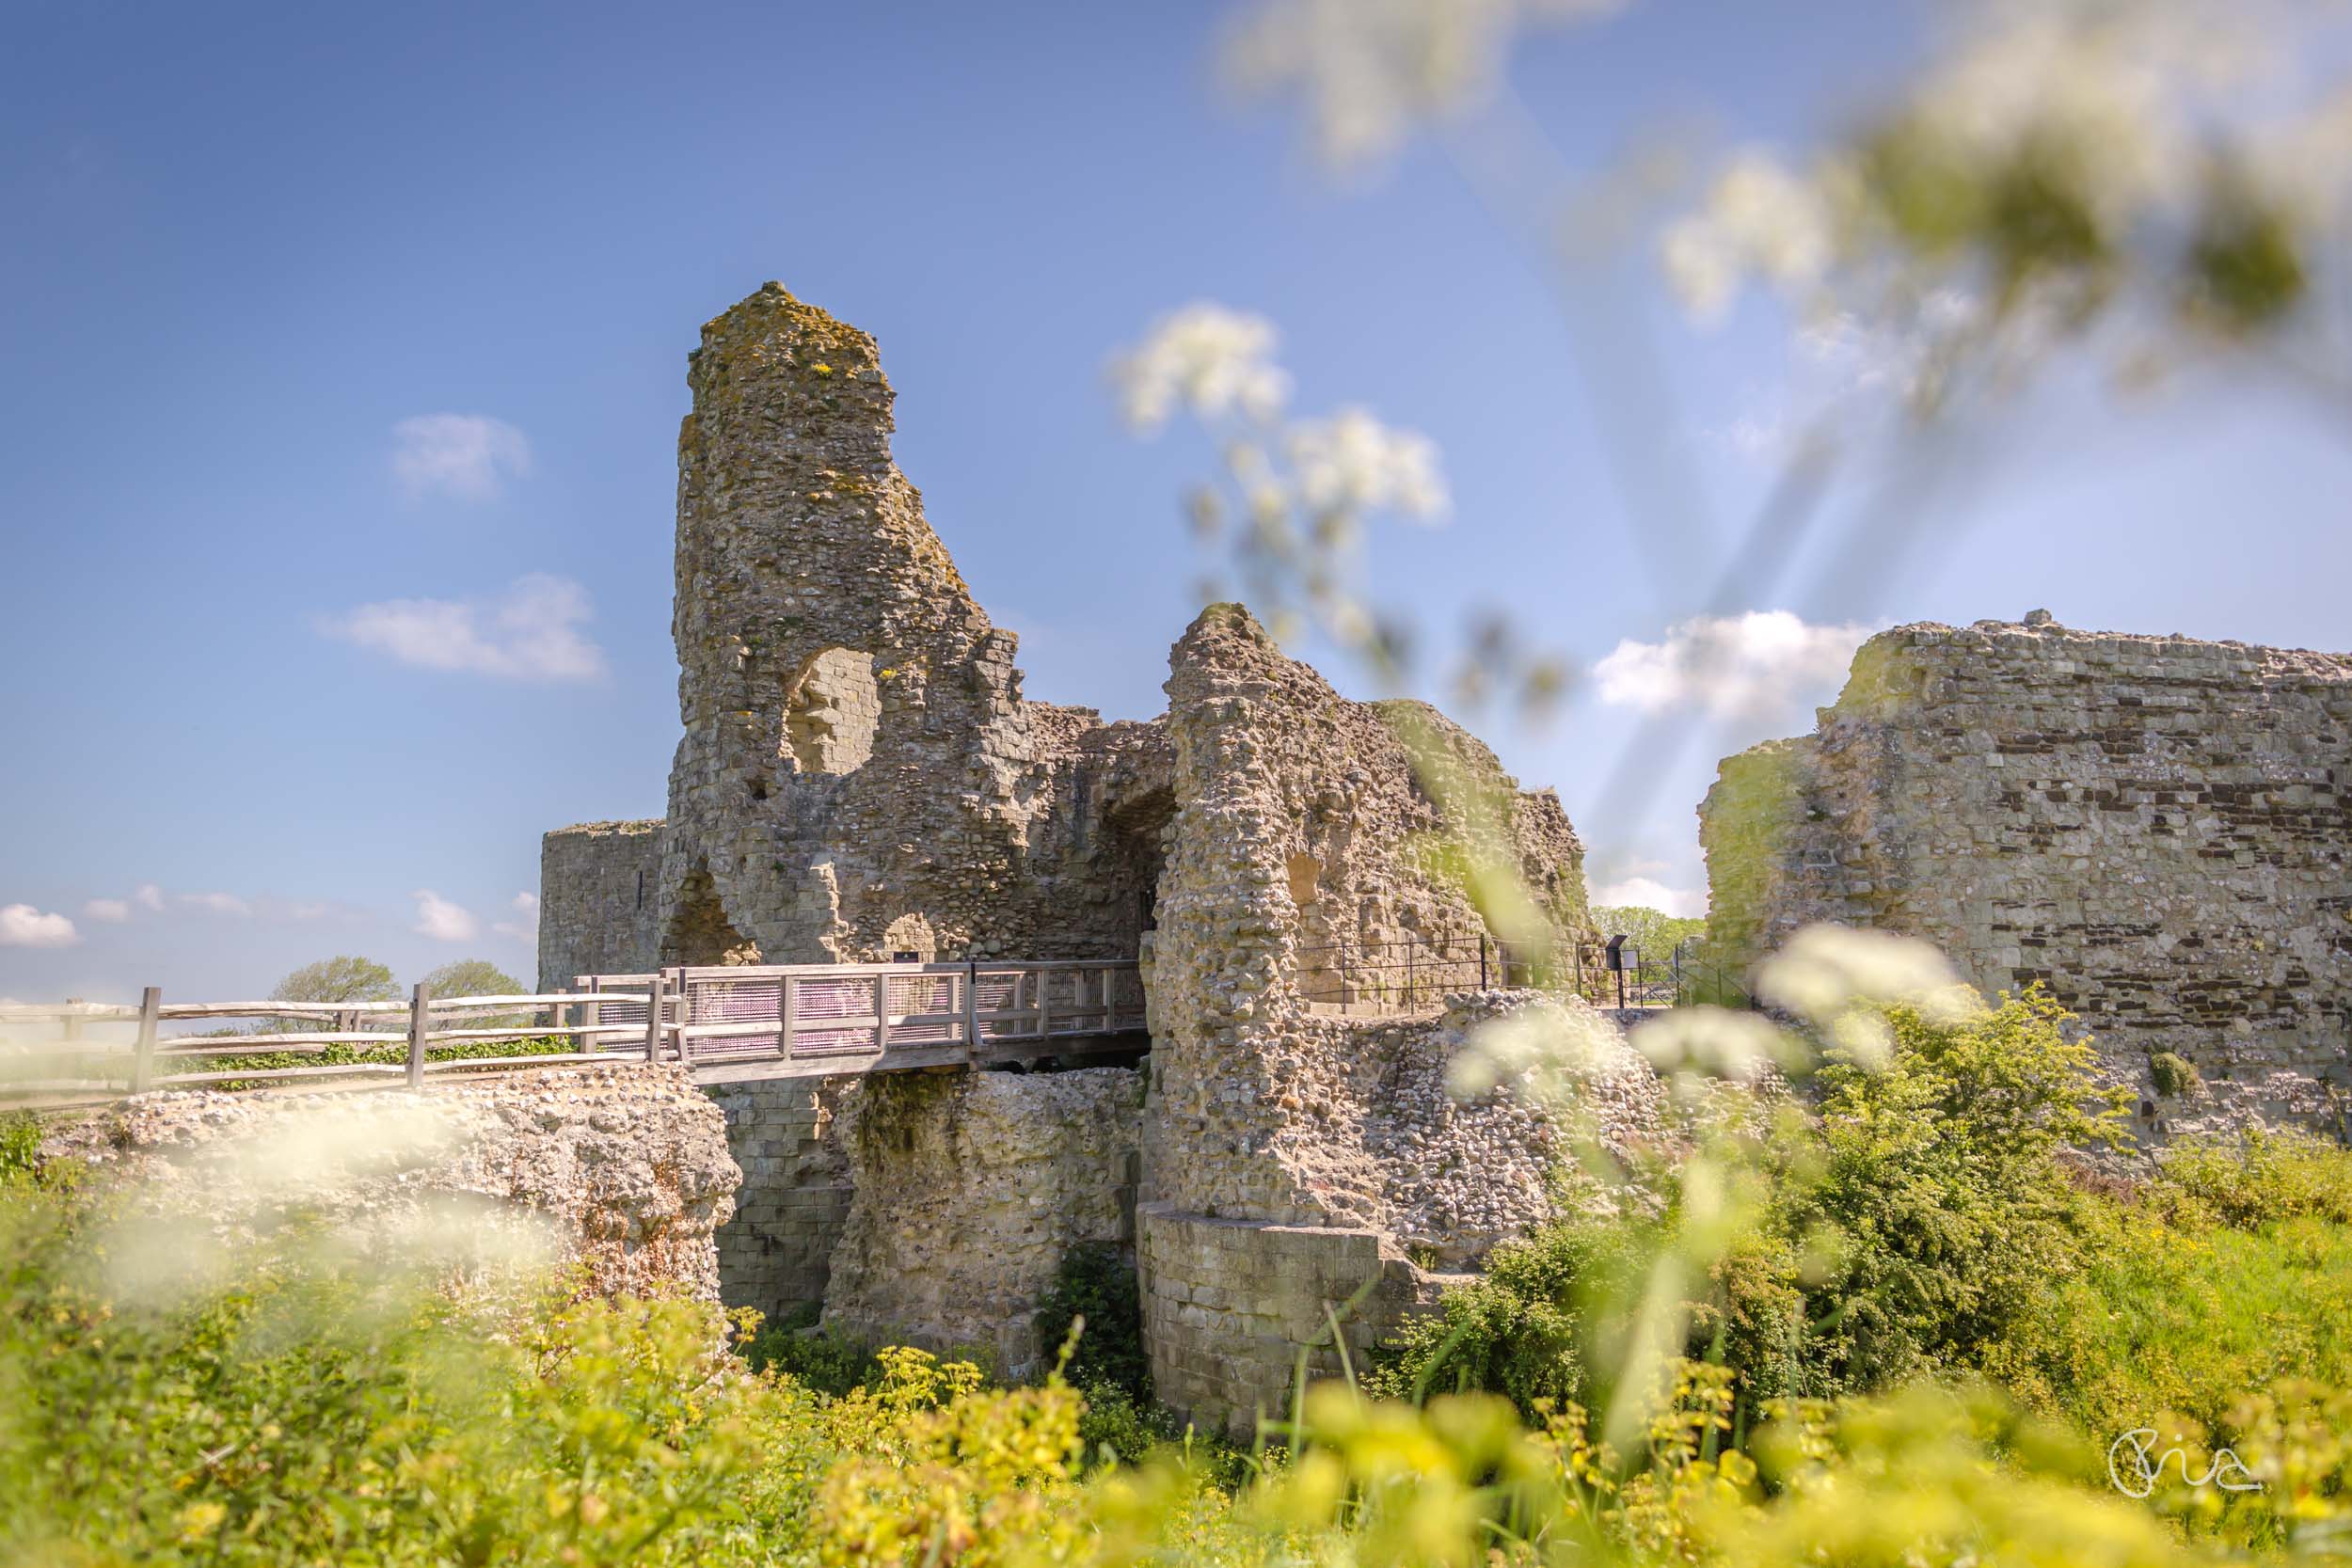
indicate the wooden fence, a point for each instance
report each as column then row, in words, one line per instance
column 43, row 1066
column 811, row 1012
column 828, row 1018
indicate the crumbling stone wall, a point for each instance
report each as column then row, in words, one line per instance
column 599, row 888
column 621, row 1170
column 1292, row 1158
column 2156, row 827
column 970, row 1190
column 776, row 1253
column 1417, row 1185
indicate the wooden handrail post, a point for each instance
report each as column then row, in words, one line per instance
column 653, row 1017
column 1043, row 1016
column 784, row 988
column 882, row 1009
column 971, row 1008
column 591, row 1013
column 420, row 1015
column 143, row 1054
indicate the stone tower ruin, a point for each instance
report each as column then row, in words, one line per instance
column 860, row 778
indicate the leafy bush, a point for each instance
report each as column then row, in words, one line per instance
column 1097, row 1284
column 2173, row 1073
column 2258, row 1175
column 824, row 1360
column 1901, row 1231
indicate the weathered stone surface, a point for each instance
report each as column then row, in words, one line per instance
column 2157, row 827
column 970, row 1189
column 600, row 887
column 775, row 1255
column 621, row 1170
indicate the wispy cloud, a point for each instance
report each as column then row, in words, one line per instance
column 524, row 927
column 1753, row 665
column 149, row 897
column 22, row 925
column 1649, row 892
column 441, row 920
column 217, row 903
column 468, row 457
column 532, row 633
column 114, row 911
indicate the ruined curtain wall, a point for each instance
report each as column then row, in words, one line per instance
column 2155, row 826
column 1277, row 1137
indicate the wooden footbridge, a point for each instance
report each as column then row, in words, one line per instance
column 738, row 1023
column 725, row 1024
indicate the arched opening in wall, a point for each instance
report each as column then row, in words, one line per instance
column 699, row 931
column 830, row 711
column 1137, row 830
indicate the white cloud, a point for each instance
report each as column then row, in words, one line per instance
column 1649, row 893
column 22, row 925
column 1731, row 666
column 533, row 633
column 114, row 911
column 441, row 920
column 149, row 897
column 308, row 912
column 465, row 455
column 524, row 927
column 217, row 903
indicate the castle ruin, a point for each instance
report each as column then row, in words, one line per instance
column 2156, row 828
column 860, row 778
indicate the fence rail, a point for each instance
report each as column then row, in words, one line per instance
column 60, row 1060
column 1417, row 974
column 820, row 1012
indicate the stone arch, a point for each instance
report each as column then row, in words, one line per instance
column 1136, row 831
column 830, row 711
column 699, row 931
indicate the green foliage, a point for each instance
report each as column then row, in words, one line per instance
column 474, row 978
column 19, row 1147
column 825, row 1360
column 2173, row 1073
column 344, row 1055
column 1096, row 1283
column 343, row 978
column 1901, row 1231
column 2253, row 1177
column 1654, row 932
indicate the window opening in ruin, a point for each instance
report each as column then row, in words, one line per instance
column 699, row 931
column 831, row 712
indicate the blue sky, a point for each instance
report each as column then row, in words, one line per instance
column 247, row 244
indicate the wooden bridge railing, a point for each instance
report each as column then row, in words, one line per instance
column 814, row 1011
column 827, row 1015
column 47, row 1051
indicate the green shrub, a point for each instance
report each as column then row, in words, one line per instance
column 824, row 1360
column 2257, row 1176
column 2173, row 1073
column 1901, row 1231
column 1096, row 1283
